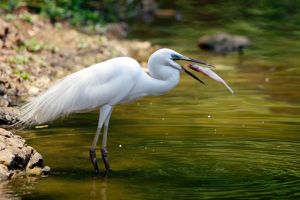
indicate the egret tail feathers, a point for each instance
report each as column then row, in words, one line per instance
column 44, row 108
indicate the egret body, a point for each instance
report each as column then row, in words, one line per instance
column 104, row 85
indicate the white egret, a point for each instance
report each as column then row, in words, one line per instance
column 104, row 85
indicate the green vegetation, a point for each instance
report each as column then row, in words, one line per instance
column 22, row 74
column 33, row 45
column 27, row 17
column 78, row 12
column 19, row 59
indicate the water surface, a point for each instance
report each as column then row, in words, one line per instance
column 196, row 142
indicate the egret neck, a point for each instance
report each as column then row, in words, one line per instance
column 153, row 84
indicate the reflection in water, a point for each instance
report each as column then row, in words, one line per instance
column 9, row 189
column 99, row 189
column 7, row 193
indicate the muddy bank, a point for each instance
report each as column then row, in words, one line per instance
column 34, row 53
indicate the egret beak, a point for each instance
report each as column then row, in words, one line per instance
column 193, row 60
column 197, row 61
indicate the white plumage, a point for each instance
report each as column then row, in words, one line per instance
column 87, row 89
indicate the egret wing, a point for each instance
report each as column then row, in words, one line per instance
column 104, row 83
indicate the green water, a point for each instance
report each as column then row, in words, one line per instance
column 197, row 141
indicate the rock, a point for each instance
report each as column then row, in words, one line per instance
column 14, row 142
column 9, row 35
column 2, row 146
column 8, row 115
column 29, row 150
column 147, row 10
column 7, row 157
column 117, row 30
column 8, row 118
column 46, row 170
column 3, row 102
column 35, row 160
column 2, row 90
column 5, row 133
column 33, row 90
column 16, row 157
column 223, row 43
column 4, row 173
column 36, row 171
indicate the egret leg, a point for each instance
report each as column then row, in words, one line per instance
column 104, row 141
column 105, row 111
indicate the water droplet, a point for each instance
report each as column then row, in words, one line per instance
column 120, row 146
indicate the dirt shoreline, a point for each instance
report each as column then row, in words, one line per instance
column 33, row 55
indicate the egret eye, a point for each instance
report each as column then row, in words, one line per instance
column 175, row 57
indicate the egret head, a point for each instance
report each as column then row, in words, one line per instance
column 168, row 57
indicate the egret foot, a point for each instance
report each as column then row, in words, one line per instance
column 94, row 160
column 105, row 160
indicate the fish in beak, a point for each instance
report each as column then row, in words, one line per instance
column 209, row 73
column 204, row 70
